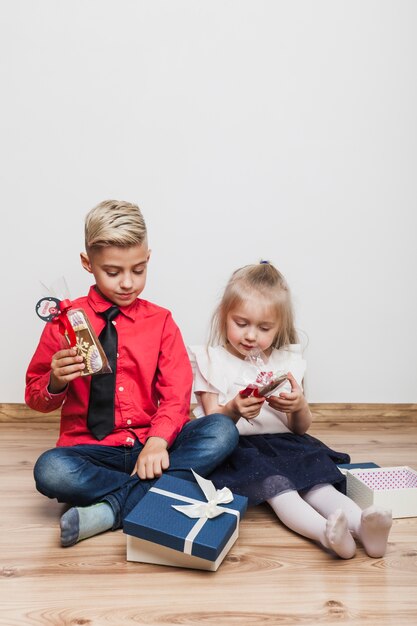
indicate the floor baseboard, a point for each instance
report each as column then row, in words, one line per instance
column 322, row 412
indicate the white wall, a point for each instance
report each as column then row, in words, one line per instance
column 245, row 129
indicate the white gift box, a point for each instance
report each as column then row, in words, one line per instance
column 392, row 488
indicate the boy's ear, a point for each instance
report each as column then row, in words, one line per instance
column 85, row 262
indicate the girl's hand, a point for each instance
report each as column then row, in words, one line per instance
column 66, row 365
column 295, row 406
column 247, row 407
column 289, row 402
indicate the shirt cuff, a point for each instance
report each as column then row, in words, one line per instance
column 156, row 432
column 54, row 397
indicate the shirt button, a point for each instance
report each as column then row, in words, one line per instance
column 129, row 422
column 121, row 388
column 117, row 355
column 114, row 322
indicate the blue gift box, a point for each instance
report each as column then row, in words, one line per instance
column 345, row 467
column 159, row 533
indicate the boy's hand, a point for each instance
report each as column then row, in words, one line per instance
column 153, row 459
column 247, row 407
column 66, row 365
column 289, row 402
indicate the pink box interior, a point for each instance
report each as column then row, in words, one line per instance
column 397, row 478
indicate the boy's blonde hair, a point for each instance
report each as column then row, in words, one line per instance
column 114, row 223
column 262, row 280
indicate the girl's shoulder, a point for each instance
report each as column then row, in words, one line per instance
column 204, row 355
column 212, row 370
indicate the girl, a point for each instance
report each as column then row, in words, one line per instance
column 276, row 461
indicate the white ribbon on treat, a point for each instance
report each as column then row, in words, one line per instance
column 201, row 510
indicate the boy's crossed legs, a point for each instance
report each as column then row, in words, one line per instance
column 96, row 479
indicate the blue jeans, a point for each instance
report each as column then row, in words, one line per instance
column 85, row 474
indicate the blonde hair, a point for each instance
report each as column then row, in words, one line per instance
column 114, row 223
column 265, row 281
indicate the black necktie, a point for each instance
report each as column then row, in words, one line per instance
column 100, row 418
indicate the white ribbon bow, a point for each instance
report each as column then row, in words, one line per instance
column 214, row 497
column 201, row 510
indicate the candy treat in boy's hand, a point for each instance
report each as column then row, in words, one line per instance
column 75, row 326
column 88, row 346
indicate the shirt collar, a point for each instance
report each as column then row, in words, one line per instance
column 99, row 304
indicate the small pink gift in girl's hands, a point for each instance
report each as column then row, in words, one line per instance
column 265, row 381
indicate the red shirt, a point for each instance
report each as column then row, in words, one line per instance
column 153, row 377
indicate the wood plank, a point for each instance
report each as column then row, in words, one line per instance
column 329, row 412
column 18, row 412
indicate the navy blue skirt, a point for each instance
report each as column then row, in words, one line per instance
column 263, row 466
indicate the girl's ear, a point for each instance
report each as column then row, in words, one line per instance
column 85, row 262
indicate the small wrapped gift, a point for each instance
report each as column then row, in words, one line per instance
column 75, row 326
column 87, row 344
column 260, row 382
column 184, row 524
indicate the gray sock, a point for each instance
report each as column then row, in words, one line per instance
column 82, row 522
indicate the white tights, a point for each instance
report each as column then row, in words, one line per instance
column 331, row 518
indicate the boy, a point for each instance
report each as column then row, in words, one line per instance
column 115, row 440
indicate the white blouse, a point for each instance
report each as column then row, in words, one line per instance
column 218, row 371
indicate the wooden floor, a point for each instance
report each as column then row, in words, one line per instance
column 271, row 576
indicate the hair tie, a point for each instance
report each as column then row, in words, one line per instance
column 264, row 262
